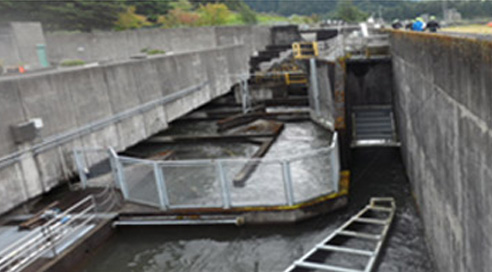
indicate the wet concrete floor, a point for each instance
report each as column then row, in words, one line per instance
column 375, row 172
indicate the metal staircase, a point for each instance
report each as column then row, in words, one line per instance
column 373, row 126
column 378, row 215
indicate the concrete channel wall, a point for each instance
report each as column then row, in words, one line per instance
column 100, row 46
column 71, row 101
column 443, row 94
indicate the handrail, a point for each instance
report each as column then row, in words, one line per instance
column 12, row 258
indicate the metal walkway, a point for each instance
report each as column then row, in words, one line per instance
column 377, row 215
column 373, row 126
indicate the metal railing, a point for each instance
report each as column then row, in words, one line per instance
column 228, row 183
column 50, row 239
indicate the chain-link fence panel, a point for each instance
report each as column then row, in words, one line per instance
column 139, row 182
column 311, row 176
column 254, row 182
column 192, row 184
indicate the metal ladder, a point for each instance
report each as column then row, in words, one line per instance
column 376, row 206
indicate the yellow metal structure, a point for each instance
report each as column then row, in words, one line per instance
column 295, row 79
column 305, row 50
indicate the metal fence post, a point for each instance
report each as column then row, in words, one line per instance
column 120, row 175
column 289, row 191
column 314, row 85
column 226, row 196
column 335, row 165
column 161, row 186
column 80, row 169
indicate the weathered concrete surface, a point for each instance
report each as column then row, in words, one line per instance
column 369, row 82
column 120, row 45
column 442, row 97
column 18, row 44
column 69, row 99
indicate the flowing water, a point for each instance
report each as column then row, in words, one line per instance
column 374, row 172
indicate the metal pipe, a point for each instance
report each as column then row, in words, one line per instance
column 177, row 222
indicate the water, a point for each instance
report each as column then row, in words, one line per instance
column 375, row 172
column 198, row 184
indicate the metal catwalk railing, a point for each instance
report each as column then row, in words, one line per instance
column 50, row 239
column 226, row 183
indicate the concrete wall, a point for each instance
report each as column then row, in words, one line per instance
column 18, row 44
column 369, row 82
column 443, row 96
column 70, row 99
column 120, row 45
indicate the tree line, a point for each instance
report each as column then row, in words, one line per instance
column 82, row 15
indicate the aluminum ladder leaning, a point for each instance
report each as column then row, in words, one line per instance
column 382, row 206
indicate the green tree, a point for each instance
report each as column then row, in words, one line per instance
column 151, row 9
column 213, row 14
column 348, row 12
column 183, row 5
column 63, row 15
column 248, row 16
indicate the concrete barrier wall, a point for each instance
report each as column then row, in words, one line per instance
column 18, row 42
column 100, row 46
column 71, row 99
column 443, row 95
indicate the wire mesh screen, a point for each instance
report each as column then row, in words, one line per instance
column 196, row 184
column 254, row 182
column 311, row 176
column 139, row 181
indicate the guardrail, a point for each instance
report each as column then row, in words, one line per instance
column 51, row 238
column 213, row 183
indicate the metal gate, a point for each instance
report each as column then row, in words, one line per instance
column 373, row 126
